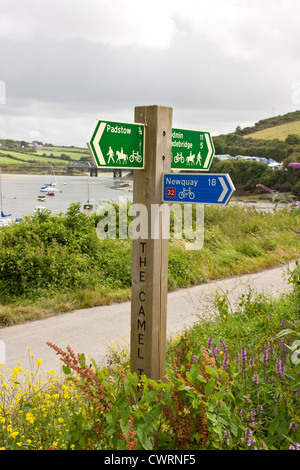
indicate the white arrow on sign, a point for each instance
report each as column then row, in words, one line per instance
column 210, row 151
column 96, row 142
column 225, row 189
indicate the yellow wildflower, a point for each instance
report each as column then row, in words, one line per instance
column 30, row 418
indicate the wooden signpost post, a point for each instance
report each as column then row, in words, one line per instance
column 150, row 255
column 147, row 146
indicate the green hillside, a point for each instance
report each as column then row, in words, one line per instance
column 24, row 157
column 275, row 121
column 280, row 132
column 276, row 138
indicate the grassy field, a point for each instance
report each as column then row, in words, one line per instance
column 5, row 159
column 42, row 156
column 73, row 153
column 277, row 132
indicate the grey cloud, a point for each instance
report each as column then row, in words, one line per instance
column 208, row 82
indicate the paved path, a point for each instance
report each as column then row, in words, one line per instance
column 89, row 330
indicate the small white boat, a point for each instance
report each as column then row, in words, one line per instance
column 50, row 186
column 6, row 220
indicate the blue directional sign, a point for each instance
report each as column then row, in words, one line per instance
column 209, row 188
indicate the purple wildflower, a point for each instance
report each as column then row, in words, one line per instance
column 226, row 437
column 247, row 398
column 295, row 164
column 244, row 356
column 293, row 426
column 279, row 367
column 260, row 409
column 294, row 446
column 194, row 358
column 255, row 378
column 265, row 357
column 225, row 362
column 209, row 341
column 215, row 351
column 251, row 443
column 252, row 415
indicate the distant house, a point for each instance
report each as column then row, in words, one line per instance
column 271, row 163
column 224, row 157
column 38, row 146
column 275, row 165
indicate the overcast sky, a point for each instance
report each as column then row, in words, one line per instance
column 218, row 64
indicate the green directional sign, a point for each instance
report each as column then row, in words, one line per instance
column 191, row 150
column 117, row 145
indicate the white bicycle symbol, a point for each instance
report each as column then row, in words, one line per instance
column 179, row 158
column 135, row 156
column 186, row 193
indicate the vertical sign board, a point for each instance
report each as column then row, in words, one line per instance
column 191, row 150
column 117, row 145
column 150, row 249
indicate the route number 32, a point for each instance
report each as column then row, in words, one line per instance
column 171, row 192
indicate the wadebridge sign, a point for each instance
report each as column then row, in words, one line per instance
column 117, row 145
column 191, row 150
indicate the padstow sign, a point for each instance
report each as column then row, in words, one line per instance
column 117, row 145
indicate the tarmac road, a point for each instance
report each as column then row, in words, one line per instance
column 89, row 330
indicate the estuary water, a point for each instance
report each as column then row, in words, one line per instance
column 20, row 192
